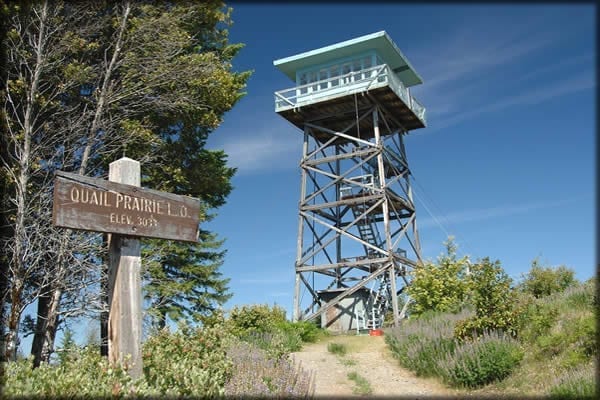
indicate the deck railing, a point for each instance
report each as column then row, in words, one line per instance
column 355, row 81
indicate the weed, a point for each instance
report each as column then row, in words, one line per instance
column 337, row 348
column 363, row 387
column 347, row 362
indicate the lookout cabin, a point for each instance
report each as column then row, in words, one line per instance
column 333, row 80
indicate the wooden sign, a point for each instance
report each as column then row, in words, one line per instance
column 93, row 204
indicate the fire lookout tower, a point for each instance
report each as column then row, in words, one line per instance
column 357, row 232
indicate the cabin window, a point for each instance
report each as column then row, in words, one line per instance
column 356, row 67
column 334, row 72
column 312, row 77
column 366, row 62
column 303, row 81
column 322, row 77
column 346, row 68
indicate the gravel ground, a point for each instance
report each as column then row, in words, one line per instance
column 370, row 358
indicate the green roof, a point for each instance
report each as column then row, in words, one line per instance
column 379, row 41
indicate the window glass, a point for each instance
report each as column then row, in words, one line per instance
column 345, row 72
column 303, row 81
column 334, row 72
column 367, row 65
column 356, row 68
column 312, row 77
column 323, row 77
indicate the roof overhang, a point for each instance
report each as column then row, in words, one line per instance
column 379, row 41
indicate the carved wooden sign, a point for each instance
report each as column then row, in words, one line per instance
column 93, row 204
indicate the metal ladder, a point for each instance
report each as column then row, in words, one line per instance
column 379, row 305
column 366, row 228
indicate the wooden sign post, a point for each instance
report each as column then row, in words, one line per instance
column 124, row 284
column 126, row 211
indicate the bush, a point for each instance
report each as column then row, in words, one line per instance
column 536, row 321
column 420, row 343
column 493, row 299
column 308, row 331
column 578, row 335
column 440, row 286
column 544, row 281
column 82, row 371
column 189, row 362
column 254, row 318
column 491, row 357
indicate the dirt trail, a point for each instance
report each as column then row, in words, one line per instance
column 370, row 358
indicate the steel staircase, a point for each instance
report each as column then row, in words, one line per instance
column 379, row 305
column 366, row 228
column 379, row 300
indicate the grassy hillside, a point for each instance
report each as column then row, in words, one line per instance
column 553, row 353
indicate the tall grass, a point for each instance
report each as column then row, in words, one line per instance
column 579, row 383
column 557, row 331
column 419, row 344
column 486, row 359
column 256, row 374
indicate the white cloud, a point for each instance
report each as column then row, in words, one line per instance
column 538, row 95
column 489, row 213
column 269, row 149
column 474, row 65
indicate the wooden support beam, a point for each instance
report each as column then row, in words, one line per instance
column 346, row 293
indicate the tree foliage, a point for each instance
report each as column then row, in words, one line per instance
column 493, row 298
column 543, row 281
column 440, row 286
column 86, row 83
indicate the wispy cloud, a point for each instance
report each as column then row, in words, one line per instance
column 490, row 213
column 533, row 96
column 478, row 62
column 258, row 151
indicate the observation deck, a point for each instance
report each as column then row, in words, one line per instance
column 337, row 84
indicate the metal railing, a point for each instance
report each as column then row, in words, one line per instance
column 355, row 81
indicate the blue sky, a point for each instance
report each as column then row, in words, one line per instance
column 506, row 164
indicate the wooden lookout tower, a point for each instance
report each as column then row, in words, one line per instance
column 357, row 232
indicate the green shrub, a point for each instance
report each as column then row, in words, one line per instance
column 337, row 348
column 308, row 331
column 536, row 321
column 575, row 384
column 577, row 335
column 421, row 354
column 440, row 286
column 420, row 343
column 82, row 371
column 188, row 362
column 254, row 318
column 489, row 358
column 493, row 299
column 277, row 343
column 544, row 281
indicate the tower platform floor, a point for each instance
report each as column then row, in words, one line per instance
column 338, row 112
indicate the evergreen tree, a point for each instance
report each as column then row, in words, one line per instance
column 86, row 83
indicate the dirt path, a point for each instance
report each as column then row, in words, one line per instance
column 370, row 358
